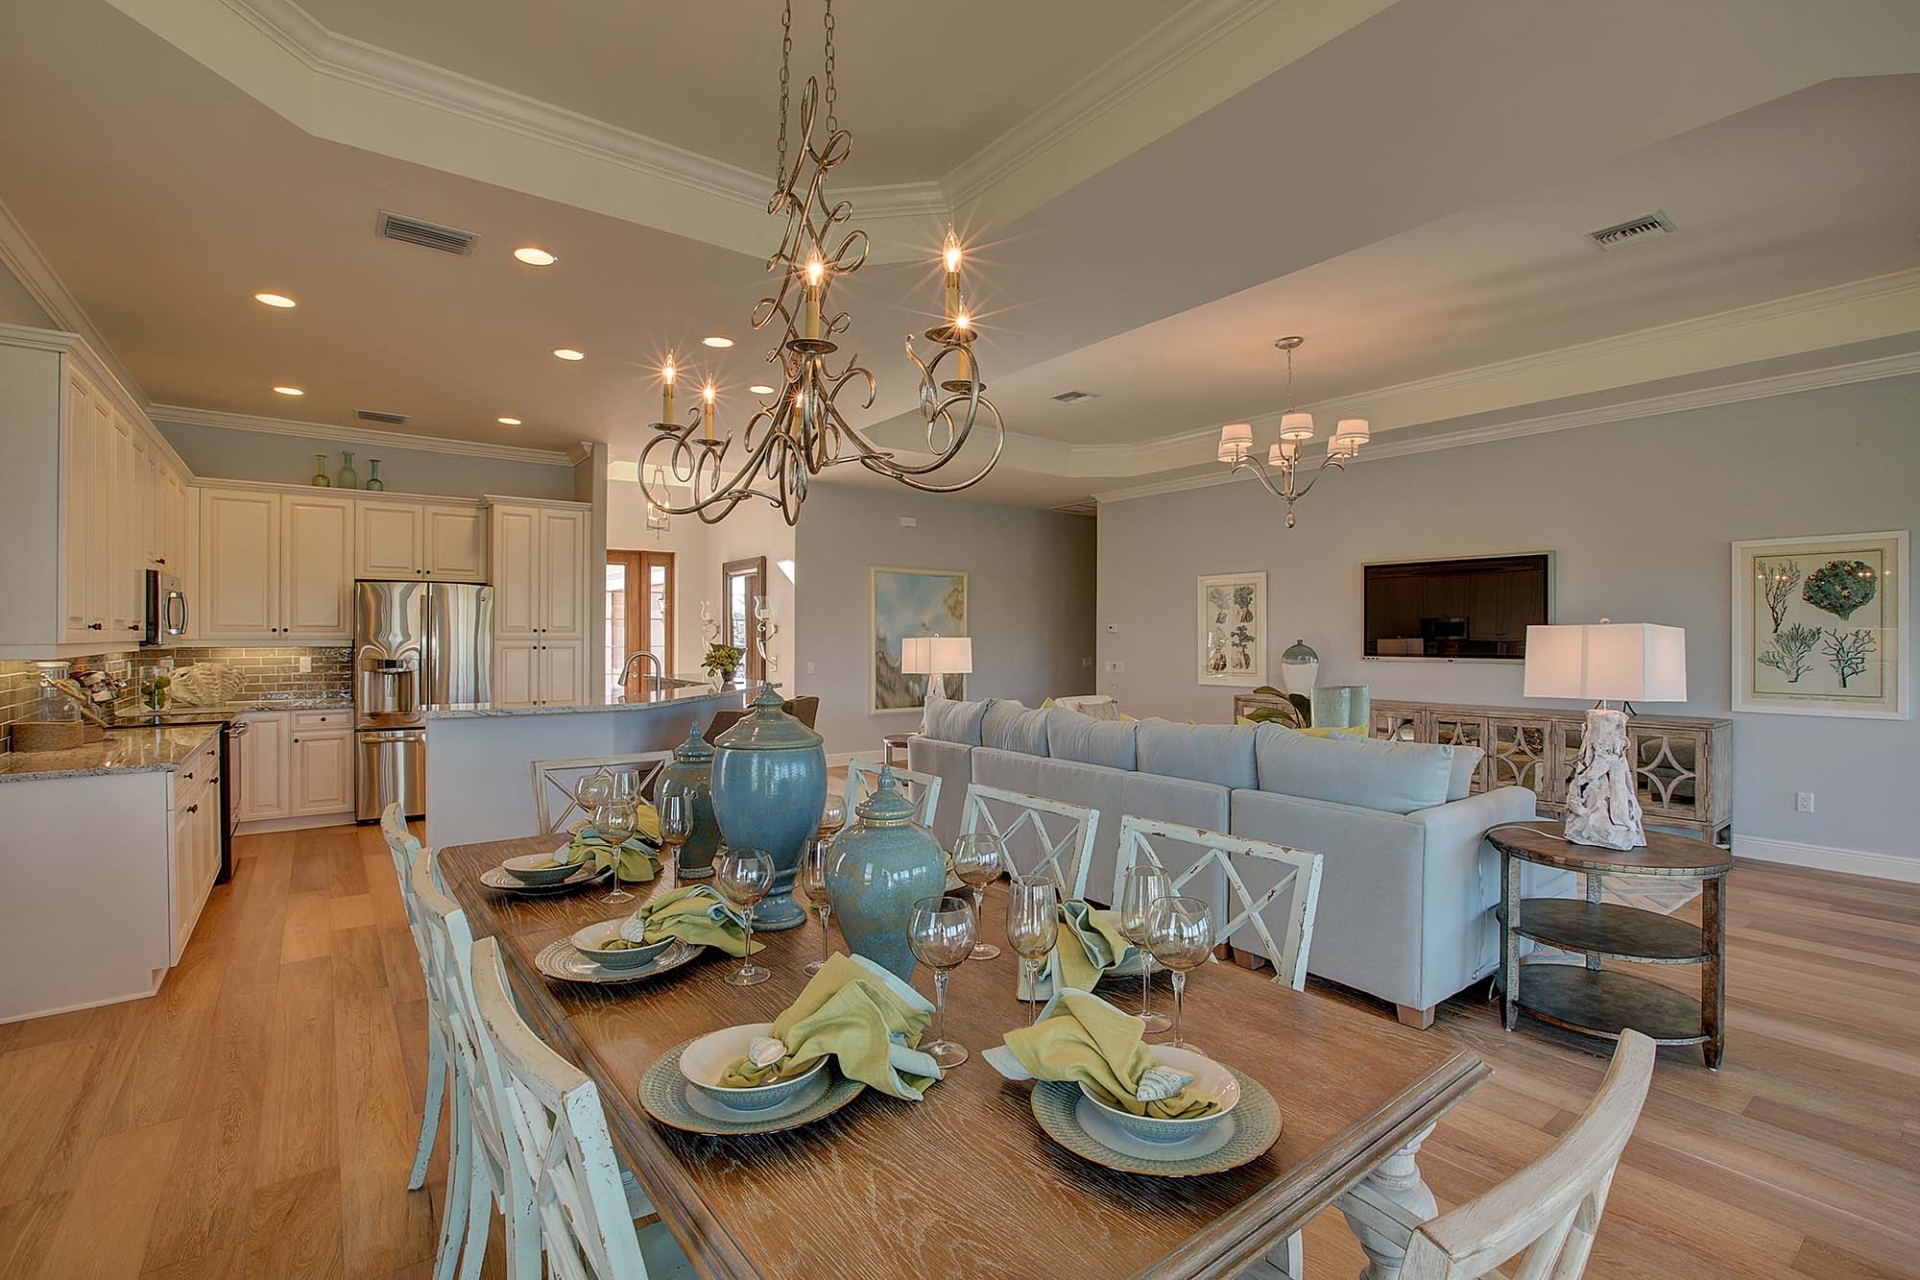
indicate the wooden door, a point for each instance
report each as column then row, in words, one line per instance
column 77, row 515
column 316, row 579
column 741, row 582
column 321, row 764
column 640, row 590
column 263, row 767
column 563, row 574
column 389, row 540
column 456, row 544
column 562, row 674
column 239, row 565
column 516, row 602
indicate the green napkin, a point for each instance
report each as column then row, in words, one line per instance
column 695, row 914
column 639, row 862
column 1091, row 946
column 1083, row 1039
column 860, row 1014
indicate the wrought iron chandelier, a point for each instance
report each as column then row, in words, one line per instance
column 803, row 430
column 1296, row 428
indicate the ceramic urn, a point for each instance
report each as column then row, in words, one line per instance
column 769, row 785
column 691, row 771
column 883, row 864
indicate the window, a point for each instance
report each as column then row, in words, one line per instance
column 741, row 583
column 639, row 615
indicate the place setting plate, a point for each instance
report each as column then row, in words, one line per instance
column 1087, row 1129
column 502, row 881
column 563, row 961
column 670, row 1096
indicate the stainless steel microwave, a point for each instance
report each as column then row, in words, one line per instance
column 164, row 617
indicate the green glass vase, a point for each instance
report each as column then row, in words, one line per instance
column 320, row 480
column 374, row 483
column 346, row 477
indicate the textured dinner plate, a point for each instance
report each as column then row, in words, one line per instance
column 1253, row 1126
column 563, row 960
column 500, row 878
column 668, row 1098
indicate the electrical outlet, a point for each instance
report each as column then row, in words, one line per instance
column 1803, row 802
column 909, row 522
column 1115, row 667
column 809, row 668
column 306, row 664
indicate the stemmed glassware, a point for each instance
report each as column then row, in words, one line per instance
column 1033, row 924
column 978, row 859
column 592, row 792
column 743, row 876
column 618, row 821
column 941, row 933
column 1143, row 886
column 812, row 884
column 1180, row 934
column 676, row 826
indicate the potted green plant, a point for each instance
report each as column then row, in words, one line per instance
column 722, row 662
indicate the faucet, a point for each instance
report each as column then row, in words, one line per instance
column 640, row 656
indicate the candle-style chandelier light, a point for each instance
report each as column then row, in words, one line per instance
column 1296, row 428
column 803, row 431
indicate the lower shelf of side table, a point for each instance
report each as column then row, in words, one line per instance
column 1605, row 1002
column 1609, row 929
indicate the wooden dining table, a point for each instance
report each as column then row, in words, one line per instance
column 965, row 1182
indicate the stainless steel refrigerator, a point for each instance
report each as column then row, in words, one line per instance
column 415, row 645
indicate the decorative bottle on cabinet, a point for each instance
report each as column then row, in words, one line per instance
column 882, row 865
column 374, row 483
column 347, row 478
column 320, row 480
column 769, row 785
column 692, row 771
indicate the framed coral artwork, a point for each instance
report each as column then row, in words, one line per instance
column 1233, row 629
column 1820, row 626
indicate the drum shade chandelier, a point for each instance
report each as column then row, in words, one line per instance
column 1283, row 459
column 803, row 430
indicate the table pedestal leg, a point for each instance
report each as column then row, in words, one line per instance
column 1398, row 1179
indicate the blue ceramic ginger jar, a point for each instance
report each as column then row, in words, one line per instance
column 883, row 864
column 691, row 770
column 769, row 785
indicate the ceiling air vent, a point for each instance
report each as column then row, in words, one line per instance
column 428, row 235
column 376, row 415
column 1642, row 228
column 1084, row 507
column 1075, row 397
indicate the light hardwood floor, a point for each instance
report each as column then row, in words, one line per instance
column 256, row 1118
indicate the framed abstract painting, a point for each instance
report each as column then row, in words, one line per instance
column 1820, row 626
column 1233, row 629
column 911, row 602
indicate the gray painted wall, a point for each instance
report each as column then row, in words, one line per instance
column 220, row 453
column 1030, row 598
column 17, row 305
column 1640, row 516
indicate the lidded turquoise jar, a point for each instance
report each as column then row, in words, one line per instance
column 769, row 785
column 691, row 771
column 883, row 864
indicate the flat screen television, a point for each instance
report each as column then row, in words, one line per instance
column 1471, row 608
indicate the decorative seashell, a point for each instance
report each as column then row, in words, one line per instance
column 764, row 1051
column 1157, row 1084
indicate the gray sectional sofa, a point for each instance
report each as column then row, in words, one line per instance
column 1408, row 885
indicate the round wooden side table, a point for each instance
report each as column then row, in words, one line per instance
column 1603, row 1002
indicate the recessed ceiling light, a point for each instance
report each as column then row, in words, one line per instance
column 717, row 341
column 760, row 391
column 275, row 299
column 568, row 353
column 290, row 391
column 508, row 422
column 535, row 257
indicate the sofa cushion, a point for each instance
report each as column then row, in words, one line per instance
column 1391, row 777
column 1218, row 753
column 1010, row 725
column 951, row 720
column 1465, row 761
column 1084, row 740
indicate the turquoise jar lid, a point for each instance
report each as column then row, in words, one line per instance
column 887, row 806
column 767, row 728
column 695, row 750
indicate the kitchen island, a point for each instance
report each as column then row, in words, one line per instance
column 480, row 756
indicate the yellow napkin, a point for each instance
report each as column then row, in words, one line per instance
column 860, row 1014
column 695, row 914
column 1083, row 1039
column 1091, row 946
column 638, row 860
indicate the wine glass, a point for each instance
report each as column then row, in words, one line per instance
column 1180, row 934
column 618, row 821
column 941, row 933
column 812, row 884
column 592, row 793
column 743, row 877
column 978, row 859
column 1144, row 885
column 1033, row 923
column 676, row 826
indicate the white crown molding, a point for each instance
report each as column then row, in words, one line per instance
column 1820, row 857
column 187, row 416
column 1896, row 366
column 22, row 257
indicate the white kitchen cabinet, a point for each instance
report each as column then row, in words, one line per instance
column 320, row 762
column 514, row 675
column 456, row 544
column 194, row 854
column 563, row 670
column 541, row 588
column 275, row 567
column 316, row 568
column 296, row 764
column 125, row 559
column 264, row 790
column 516, row 572
column 563, row 574
column 442, row 542
column 77, row 502
column 533, row 673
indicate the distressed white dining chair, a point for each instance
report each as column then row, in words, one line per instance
column 554, row 781
column 1546, row 1214
column 1060, row 834
column 552, row 1109
column 863, row 776
column 403, row 845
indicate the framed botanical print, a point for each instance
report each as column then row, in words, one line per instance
column 1820, row 626
column 1233, row 629
column 907, row 603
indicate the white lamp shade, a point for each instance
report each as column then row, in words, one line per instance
column 1236, row 441
column 947, row 655
column 1352, row 431
column 1285, row 451
column 1296, row 426
column 1619, row 662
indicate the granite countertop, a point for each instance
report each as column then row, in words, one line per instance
column 158, row 750
column 657, row 698
column 180, row 710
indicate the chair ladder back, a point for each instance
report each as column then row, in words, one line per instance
column 1551, row 1209
column 1075, row 841
column 1300, row 872
column 557, row 779
column 566, row 1151
column 404, row 847
column 863, row 776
